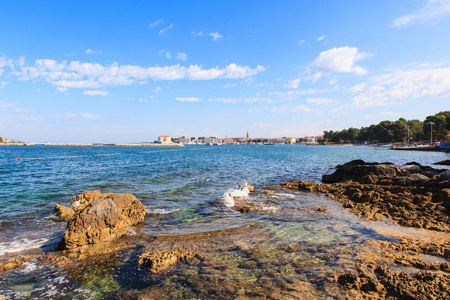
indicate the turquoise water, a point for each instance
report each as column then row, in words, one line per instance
column 182, row 189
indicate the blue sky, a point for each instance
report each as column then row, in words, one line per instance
column 112, row 71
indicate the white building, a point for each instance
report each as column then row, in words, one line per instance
column 164, row 139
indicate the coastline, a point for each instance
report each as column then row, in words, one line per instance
column 93, row 145
column 268, row 238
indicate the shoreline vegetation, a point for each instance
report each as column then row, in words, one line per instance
column 410, row 195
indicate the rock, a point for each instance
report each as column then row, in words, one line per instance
column 104, row 218
column 158, row 261
column 445, row 162
column 79, row 202
column 247, row 209
column 15, row 263
column 250, row 187
column 408, row 194
column 64, row 213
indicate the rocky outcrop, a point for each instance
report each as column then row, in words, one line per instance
column 158, row 261
column 412, row 195
column 100, row 218
column 445, row 162
column 79, row 202
column 389, row 284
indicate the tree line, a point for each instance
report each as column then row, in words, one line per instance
column 388, row 132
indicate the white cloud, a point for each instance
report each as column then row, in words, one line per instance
column 340, row 60
column 432, row 10
column 96, row 93
column 161, row 52
column 289, row 95
column 320, row 100
column 156, row 23
column 182, row 56
column 320, row 38
column 240, row 100
column 89, row 51
column 157, row 89
column 162, row 31
column 402, row 84
column 188, row 99
column 3, row 84
column 168, row 55
column 301, row 107
column 215, row 35
column 65, row 75
column 90, row 116
column 300, row 42
column 293, row 84
column 4, row 104
column 237, row 72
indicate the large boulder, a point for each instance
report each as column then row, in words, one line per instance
column 103, row 219
column 79, row 202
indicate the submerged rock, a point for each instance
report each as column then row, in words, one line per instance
column 158, row 261
column 101, row 218
column 15, row 263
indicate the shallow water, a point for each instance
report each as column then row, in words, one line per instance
column 287, row 249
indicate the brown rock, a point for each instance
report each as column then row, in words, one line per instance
column 1, row 297
column 15, row 262
column 64, row 213
column 104, row 218
column 250, row 187
column 158, row 261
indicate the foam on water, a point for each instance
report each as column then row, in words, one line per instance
column 21, row 244
column 162, row 211
column 228, row 197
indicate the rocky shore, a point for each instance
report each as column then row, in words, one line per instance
column 411, row 195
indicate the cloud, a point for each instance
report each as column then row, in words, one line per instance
column 162, row 31
column 340, row 60
column 293, row 84
column 65, row 75
column 240, row 100
column 320, row 38
column 432, row 10
column 90, row 116
column 156, row 23
column 3, row 84
column 168, row 55
column 215, row 35
column 402, row 84
column 320, row 100
column 300, row 42
column 96, row 93
column 157, row 89
column 182, row 56
column 87, row 116
column 301, row 107
column 289, row 95
column 188, row 99
column 89, row 51
column 4, row 104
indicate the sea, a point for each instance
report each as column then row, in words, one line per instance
column 285, row 249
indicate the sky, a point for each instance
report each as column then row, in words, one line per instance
column 129, row 71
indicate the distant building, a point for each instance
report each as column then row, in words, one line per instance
column 164, row 139
column 184, row 141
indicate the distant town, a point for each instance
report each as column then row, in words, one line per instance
column 165, row 139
